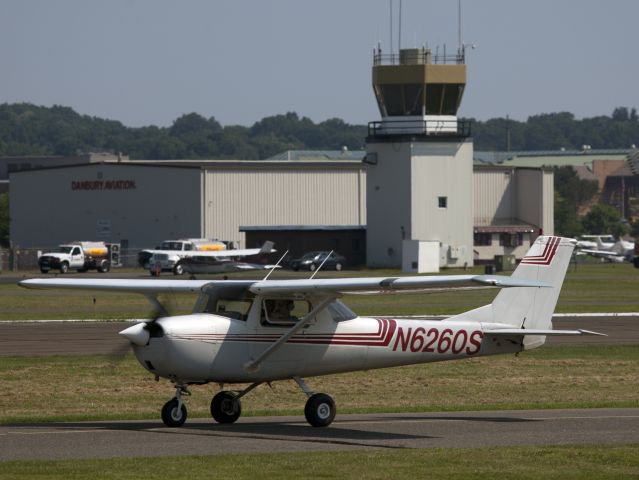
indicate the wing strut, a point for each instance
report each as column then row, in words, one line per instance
column 254, row 365
column 162, row 311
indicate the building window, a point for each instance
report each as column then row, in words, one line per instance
column 442, row 202
column 483, row 239
column 511, row 239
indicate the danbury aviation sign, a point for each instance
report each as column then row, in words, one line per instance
column 103, row 185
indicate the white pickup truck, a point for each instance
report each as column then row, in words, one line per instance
column 81, row 256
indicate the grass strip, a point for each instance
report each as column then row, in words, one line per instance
column 572, row 462
column 73, row 388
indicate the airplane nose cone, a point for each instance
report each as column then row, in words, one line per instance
column 136, row 334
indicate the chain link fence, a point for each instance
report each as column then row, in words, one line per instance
column 19, row 259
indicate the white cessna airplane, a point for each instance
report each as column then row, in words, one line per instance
column 207, row 261
column 259, row 331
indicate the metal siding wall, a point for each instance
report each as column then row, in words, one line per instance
column 46, row 211
column 240, row 197
column 548, row 193
column 493, row 196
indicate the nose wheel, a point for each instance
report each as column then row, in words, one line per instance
column 174, row 411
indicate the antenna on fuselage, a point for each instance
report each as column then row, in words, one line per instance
column 321, row 265
column 276, row 265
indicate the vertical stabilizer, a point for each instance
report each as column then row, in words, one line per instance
column 532, row 308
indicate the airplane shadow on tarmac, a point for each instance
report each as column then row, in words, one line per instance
column 337, row 433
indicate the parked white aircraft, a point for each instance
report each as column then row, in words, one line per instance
column 614, row 251
column 207, row 261
column 266, row 330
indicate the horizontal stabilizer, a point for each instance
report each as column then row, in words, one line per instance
column 507, row 332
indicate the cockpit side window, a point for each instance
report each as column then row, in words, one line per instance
column 227, row 301
column 233, row 308
column 283, row 311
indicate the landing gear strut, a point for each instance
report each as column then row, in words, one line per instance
column 174, row 411
column 319, row 409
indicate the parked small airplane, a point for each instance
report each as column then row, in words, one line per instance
column 613, row 251
column 213, row 261
column 260, row 331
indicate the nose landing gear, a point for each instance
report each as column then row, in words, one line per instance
column 174, row 411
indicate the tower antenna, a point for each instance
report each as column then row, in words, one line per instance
column 459, row 26
column 399, row 36
column 391, row 28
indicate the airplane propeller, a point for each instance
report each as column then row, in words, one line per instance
column 140, row 333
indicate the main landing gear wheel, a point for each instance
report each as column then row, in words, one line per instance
column 174, row 413
column 225, row 407
column 320, row 410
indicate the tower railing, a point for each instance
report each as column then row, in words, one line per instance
column 425, row 128
column 418, row 57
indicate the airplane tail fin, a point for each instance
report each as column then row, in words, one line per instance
column 518, row 310
column 532, row 308
column 267, row 247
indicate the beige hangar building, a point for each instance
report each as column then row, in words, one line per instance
column 141, row 204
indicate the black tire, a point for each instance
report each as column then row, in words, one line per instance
column 320, row 410
column 338, row 266
column 635, row 262
column 104, row 267
column 171, row 415
column 312, row 267
column 178, row 269
column 225, row 408
column 44, row 270
column 64, row 267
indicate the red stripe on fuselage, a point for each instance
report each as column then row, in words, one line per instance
column 382, row 338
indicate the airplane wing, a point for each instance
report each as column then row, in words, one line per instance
column 222, row 254
column 377, row 284
column 277, row 287
column 600, row 253
column 145, row 287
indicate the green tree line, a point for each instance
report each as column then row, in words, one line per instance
column 27, row 129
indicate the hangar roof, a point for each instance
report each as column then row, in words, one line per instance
column 550, row 158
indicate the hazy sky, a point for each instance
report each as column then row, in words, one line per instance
column 147, row 62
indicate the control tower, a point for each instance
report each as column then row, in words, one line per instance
column 420, row 164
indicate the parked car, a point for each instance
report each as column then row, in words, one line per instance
column 312, row 260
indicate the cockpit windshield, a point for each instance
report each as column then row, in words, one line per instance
column 340, row 312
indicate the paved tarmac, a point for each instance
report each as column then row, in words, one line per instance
column 348, row 432
column 84, row 338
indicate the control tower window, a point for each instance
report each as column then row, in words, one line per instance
column 393, row 99
column 443, row 98
column 452, row 99
column 413, row 99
